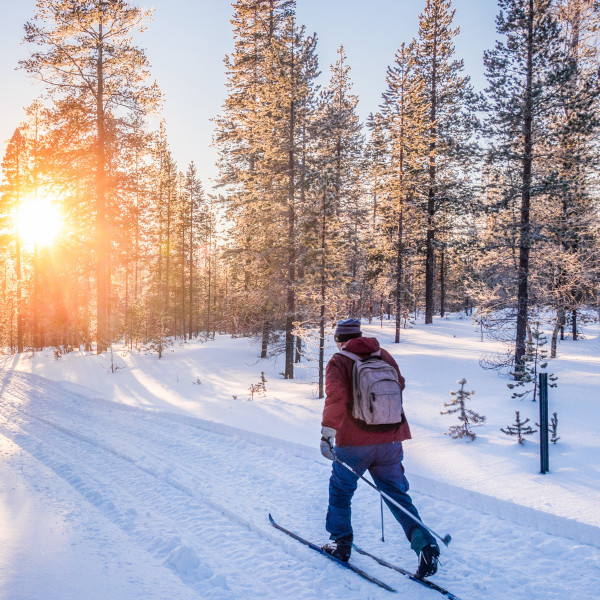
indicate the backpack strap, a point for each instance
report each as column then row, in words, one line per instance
column 357, row 358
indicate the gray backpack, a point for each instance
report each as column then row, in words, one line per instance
column 377, row 390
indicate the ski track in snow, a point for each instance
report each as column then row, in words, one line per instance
column 195, row 501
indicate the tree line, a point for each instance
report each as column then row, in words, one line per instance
column 444, row 200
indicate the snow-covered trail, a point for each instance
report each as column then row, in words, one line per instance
column 186, row 503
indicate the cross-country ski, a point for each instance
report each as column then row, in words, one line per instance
column 427, row 583
column 341, row 563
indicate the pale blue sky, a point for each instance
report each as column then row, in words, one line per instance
column 188, row 39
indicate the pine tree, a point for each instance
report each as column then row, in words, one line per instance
column 133, row 238
column 210, row 247
column 448, row 100
column 522, row 72
column 260, row 136
column 535, row 359
column 33, row 129
column 575, row 162
column 554, row 437
column 403, row 121
column 15, row 166
column 467, row 417
column 292, row 89
column 194, row 222
column 250, row 201
column 331, row 203
column 95, row 75
column 162, row 211
column 519, row 428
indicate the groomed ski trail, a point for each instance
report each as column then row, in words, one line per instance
column 194, row 501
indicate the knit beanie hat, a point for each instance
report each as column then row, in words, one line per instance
column 347, row 330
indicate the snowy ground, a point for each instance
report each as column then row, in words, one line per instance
column 155, row 481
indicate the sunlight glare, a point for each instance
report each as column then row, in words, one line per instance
column 39, row 221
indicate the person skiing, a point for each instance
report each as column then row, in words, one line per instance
column 376, row 448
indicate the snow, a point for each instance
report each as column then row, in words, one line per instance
column 139, row 478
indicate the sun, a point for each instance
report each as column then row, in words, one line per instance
column 39, row 221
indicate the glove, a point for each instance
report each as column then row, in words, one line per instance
column 327, row 435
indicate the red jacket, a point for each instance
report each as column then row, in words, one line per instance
column 338, row 403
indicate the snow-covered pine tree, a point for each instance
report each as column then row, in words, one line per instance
column 260, row 136
column 163, row 211
column 15, row 166
column 554, row 437
column 572, row 253
column 289, row 112
column 195, row 229
column 134, row 230
column 95, row 77
column 377, row 247
column 348, row 165
column 214, row 290
column 245, row 192
column 522, row 73
column 449, row 103
column 401, row 125
column 491, row 281
column 468, row 418
column 519, row 428
column 332, row 204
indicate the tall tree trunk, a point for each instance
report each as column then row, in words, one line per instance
column 399, row 275
column 183, row 286
column 525, row 239
column 430, row 258
column 570, row 165
column 35, row 310
column 191, row 275
column 322, row 347
column 159, row 269
column 128, row 317
column 209, row 318
column 167, row 288
column 560, row 316
column 291, row 282
column 291, row 293
column 323, row 298
column 18, row 250
column 442, row 283
column 102, row 243
column 300, row 274
column 298, row 356
column 266, row 329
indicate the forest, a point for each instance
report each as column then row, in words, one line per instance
column 445, row 200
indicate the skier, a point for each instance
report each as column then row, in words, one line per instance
column 376, row 448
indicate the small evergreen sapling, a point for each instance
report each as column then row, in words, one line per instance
column 519, row 428
column 467, row 417
column 261, row 385
column 534, row 360
column 259, row 388
column 554, row 428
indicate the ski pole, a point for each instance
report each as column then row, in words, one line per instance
column 382, row 533
column 446, row 539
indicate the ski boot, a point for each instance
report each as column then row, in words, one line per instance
column 428, row 561
column 340, row 548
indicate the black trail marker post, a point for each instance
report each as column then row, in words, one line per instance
column 544, row 449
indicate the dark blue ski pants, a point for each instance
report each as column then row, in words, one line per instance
column 384, row 463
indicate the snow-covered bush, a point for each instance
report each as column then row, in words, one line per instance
column 467, row 417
